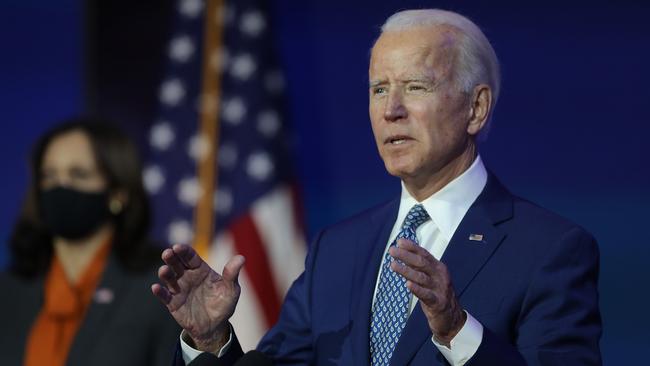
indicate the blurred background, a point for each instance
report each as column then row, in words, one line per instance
column 569, row 132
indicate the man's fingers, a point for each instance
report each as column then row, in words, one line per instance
column 412, row 247
column 232, row 268
column 423, row 294
column 411, row 274
column 409, row 258
column 168, row 278
column 161, row 293
column 171, row 259
column 187, row 256
column 420, row 261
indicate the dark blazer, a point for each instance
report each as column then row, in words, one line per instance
column 531, row 282
column 132, row 329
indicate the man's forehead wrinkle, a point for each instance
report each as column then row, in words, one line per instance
column 430, row 55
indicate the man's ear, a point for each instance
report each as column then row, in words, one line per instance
column 479, row 109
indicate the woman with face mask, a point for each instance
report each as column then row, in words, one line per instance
column 77, row 292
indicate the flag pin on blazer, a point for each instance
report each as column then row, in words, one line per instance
column 476, row 237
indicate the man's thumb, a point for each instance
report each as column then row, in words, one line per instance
column 232, row 268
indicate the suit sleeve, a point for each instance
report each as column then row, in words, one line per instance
column 290, row 340
column 559, row 323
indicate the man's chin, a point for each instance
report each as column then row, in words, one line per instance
column 400, row 172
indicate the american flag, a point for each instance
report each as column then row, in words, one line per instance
column 219, row 173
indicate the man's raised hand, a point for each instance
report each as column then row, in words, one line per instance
column 200, row 299
column 429, row 280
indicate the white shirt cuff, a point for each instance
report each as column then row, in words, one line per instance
column 189, row 353
column 465, row 343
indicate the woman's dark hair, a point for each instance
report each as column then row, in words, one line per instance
column 117, row 159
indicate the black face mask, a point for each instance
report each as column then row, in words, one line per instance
column 73, row 214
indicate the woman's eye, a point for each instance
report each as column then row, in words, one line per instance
column 48, row 175
column 80, row 174
column 47, row 179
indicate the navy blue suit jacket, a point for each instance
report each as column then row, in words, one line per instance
column 531, row 282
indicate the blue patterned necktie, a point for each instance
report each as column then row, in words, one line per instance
column 391, row 308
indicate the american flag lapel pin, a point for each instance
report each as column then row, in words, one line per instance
column 476, row 237
column 104, row 296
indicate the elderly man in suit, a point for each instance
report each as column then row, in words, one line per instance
column 454, row 271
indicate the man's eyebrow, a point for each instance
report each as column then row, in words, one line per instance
column 423, row 78
column 417, row 79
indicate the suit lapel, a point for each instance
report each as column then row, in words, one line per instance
column 107, row 297
column 371, row 243
column 464, row 257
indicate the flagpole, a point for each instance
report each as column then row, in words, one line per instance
column 204, row 217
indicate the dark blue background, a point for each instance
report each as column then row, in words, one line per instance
column 569, row 131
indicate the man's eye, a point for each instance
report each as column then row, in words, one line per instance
column 378, row 90
column 416, row 88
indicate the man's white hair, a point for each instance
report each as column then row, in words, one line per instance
column 477, row 61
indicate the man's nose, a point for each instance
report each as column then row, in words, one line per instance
column 395, row 109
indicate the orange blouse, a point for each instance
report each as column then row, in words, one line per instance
column 63, row 311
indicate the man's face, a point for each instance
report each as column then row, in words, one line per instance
column 419, row 117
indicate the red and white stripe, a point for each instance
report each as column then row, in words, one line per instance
column 270, row 236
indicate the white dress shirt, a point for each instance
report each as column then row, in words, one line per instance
column 447, row 207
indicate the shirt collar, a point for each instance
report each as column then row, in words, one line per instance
column 448, row 206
